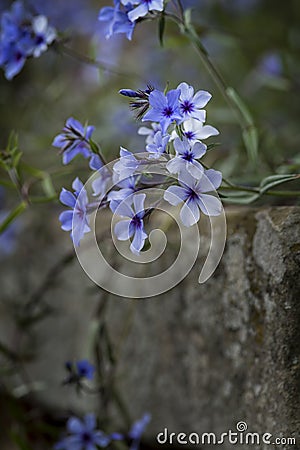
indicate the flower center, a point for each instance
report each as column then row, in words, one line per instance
column 187, row 107
column 189, row 135
column 86, row 437
column 136, row 222
column 188, row 156
column 192, row 194
column 168, row 111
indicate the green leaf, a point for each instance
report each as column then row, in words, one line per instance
column 12, row 216
column 250, row 137
column 243, row 199
column 161, row 29
column 250, row 134
column 274, row 180
column 94, row 147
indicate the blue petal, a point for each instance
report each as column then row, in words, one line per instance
column 175, row 195
column 67, row 198
column 158, row 100
column 66, row 219
column 76, row 125
column 74, row 425
column 140, row 11
column 90, row 421
column 122, row 230
column 190, row 213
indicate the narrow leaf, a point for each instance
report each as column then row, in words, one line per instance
column 12, row 216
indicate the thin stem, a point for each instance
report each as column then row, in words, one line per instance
column 60, row 47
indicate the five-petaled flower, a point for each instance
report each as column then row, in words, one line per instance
column 83, row 435
column 75, row 219
column 194, row 195
column 74, row 140
column 186, row 157
column 191, row 104
column 133, row 226
column 164, row 108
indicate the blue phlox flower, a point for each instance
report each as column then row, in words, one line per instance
column 44, row 35
column 149, row 132
column 117, row 19
column 74, row 140
column 164, row 108
column 127, row 188
column 159, row 145
column 191, row 104
column 83, row 435
column 75, row 219
column 194, row 195
column 85, row 369
column 143, row 7
column 126, row 166
column 194, row 131
column 186, row 157
column 137, row 431
column 133, row 225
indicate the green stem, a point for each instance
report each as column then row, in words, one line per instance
column 60, row 47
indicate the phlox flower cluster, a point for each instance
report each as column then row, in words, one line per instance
column 174, row 138
column 22, row 35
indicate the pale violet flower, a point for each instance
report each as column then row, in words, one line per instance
column 194, row 131
column 194, row 195
column 191, row 104
column 133, row 224
column 186, row 157
column 126, row 166
column 149, row 132
column 75, row 219
column 83, row 435
column 44, row 35
column 159, row 145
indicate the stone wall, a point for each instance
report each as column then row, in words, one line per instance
column 200, row 358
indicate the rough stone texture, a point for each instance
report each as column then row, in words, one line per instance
column 201, row 357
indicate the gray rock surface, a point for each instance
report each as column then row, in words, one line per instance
column 200, row 358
